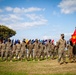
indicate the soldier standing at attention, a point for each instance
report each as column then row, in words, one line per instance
column 48, row 47
column 18, row 49
column 52, row 51
column 70, row 50
column 0, row 48
column 30, row 50
column 23, row 49
column 61, row 50
column 8, row 49
column 40, row 51
column 36, row 46
column 13, row 51
column 3, row 47
column 74, row 52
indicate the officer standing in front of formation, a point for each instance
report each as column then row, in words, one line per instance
column 61, row 51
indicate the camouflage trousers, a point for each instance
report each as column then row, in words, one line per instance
column 35, row 53
column 2, row 54
column 18, row 54
column 61, row 55
column 74, row 58
column 30, row 53
column 46, row 54
column 8, row 53
column 23, row 54
column 40, row 54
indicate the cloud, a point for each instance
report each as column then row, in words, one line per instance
column 15, row 17
column 67, row 6
column 8, row 8
column 20, row 18
column 10, row 18
column 35, row 17
column 32, row 9
column 68, row 35
column 24, row 25
column 17, row 10
column 1, row 10
column 23, row 10
column 55, row 13
column 50, row 37
column 46, row 37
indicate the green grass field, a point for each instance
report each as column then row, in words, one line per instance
column 45, row 67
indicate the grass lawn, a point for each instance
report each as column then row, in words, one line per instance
column 45, row 67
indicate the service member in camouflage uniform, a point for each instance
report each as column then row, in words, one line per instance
column 3, row 48
column 74, row 51
column 48, row 48
column 18, row 49
column 41, row 51
column 70, row 50
column 30, row 50
column 13, row 54
column 45, row 51
column 23, row 50
column 52, row 51
column 8, row 49
column 0, row 47
column 36, row 47
column 61, row 50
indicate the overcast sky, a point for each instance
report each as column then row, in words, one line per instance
column 42, row 19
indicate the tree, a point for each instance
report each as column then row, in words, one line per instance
column 6, row 32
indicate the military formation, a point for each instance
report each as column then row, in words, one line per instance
column 31, row 50
column 36, row 50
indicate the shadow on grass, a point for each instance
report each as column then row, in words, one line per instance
column 57, row 74
column 10, row 73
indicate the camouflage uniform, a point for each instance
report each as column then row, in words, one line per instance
column 18, row 49
column 48, row 48
column 52, row 51
column 41, row 51
column 45, row 51
column 8, row 49
column 70, row 51
column 0, row 48
column 30, row 50
column 23, row 50
column 61, row 50
column 3, row 48
column 13, row 51
column 56, row 51
column 35, row 50
column 74, row 52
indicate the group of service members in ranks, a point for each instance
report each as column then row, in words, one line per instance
column 36, row 50
column 20, row 50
